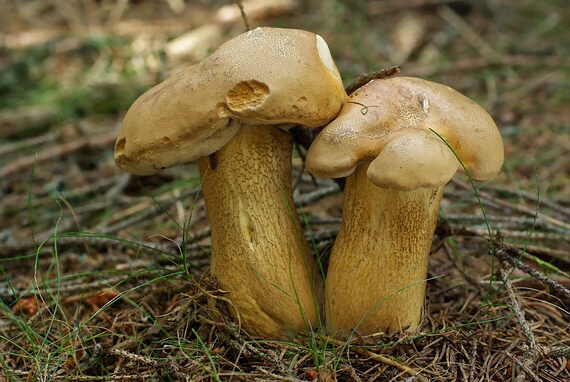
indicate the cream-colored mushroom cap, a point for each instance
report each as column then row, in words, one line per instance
column 413, row 158
column 265, row 76
column 373, row 126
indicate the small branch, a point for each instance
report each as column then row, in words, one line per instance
column 313, row 196
column 366, row 78
column 28, row 143
column 517, row 308
column 503, row 252
column 533, row 351
column 243, row 15
column 468, row 33
column 532, row 197
column 25, row 163
column 511, row 256
column 515, row 207
column 477, row 63
column 382, row 359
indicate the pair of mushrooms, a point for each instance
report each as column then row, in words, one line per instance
column 231, row 112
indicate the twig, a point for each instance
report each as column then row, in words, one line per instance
column 517, row 308
column 468, row 34
column 135, row 214
column 366, row 78
column 471, row 279
column 313, row 196
column 18, row 121
column 382, row 7
column 382, row 359
column 477, row 63
column 557, row 351
column 518, row 223
column 503, row 252
column 532, row 353
column 524, row 365
column 532, row 197
column 511, row 255
column 243, row 15
column 134, row 357
column 516, row 207
column 24, row 144
column 57, row 151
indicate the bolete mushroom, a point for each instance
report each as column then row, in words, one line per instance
column 229, row 111
column 384, row 140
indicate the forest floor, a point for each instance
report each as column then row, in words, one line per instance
column 101, row 271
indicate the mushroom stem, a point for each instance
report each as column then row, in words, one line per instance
column 378, row 265
column 259, row 251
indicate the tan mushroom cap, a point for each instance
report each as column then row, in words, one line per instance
column 413, row 158
column 265, row 76
column 370, row 117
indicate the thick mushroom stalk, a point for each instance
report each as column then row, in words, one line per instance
column 269, row 269
column 396, row 167
column 378, row 265
column 228, row 110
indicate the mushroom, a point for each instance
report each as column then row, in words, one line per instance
column 229, row 112
column 384, row 140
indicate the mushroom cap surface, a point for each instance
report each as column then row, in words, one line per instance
column 381, row 123
column 265, row 76
column 431, row 164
